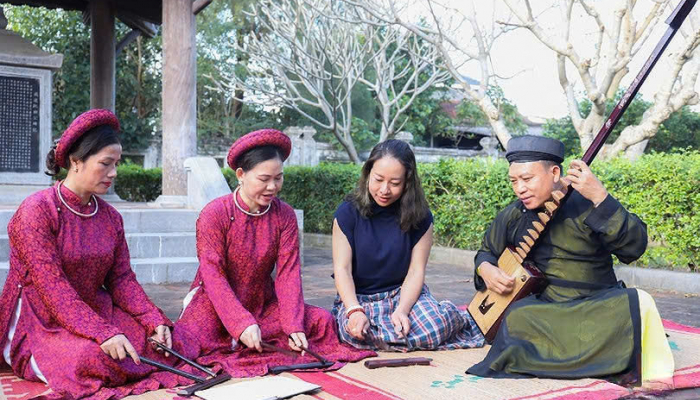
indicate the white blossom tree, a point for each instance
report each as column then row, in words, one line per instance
column 459, row 36
column 304, row 61
column 601, row 66
column 403, row 67
column 312, row 57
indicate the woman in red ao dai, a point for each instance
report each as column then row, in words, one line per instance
column 72, row 313
column 235, row 304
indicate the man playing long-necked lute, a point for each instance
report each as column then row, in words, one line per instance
column 585, row 323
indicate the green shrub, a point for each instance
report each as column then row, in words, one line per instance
column 664, row 190
column 319, row 191
column 134, row 183
column 464, row 196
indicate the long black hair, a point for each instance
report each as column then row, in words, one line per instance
column 87, row 145
column 413, row 206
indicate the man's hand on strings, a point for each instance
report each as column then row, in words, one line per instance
column 495, row 279
column 581, row 178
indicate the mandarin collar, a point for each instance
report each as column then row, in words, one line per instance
column 391, row 209
column 73, row 199
column 241, row 203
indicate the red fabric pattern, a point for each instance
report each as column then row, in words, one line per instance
column 237, row 254
column 81, row 124
column 262, row 137
column 78, row 290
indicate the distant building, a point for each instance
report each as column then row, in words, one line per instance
column 467, row 135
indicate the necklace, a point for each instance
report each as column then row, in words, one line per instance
column 60, row 197
column 257, row 214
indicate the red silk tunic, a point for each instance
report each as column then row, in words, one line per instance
column 77, row 288
column 237, row 255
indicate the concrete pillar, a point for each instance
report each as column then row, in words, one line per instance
column 405, row 136
column 179, row 99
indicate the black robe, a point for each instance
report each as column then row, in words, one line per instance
column 585, row 324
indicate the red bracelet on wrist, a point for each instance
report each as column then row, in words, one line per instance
column 362, row 310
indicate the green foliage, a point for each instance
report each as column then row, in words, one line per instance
column 426, row 118
column 465, row 196
column 133, row 183
column 137, row 72
column 680, row 131
column 664, row 190
column 563, row 129
column 318, row 191
column 471, row 112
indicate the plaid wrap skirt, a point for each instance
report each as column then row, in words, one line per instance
column 434, row 325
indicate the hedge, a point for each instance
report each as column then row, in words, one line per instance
column 134, row 183
column 318, row 191
column 663, row 189
column 464, row 196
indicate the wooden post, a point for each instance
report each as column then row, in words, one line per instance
column 103, row 85
column 179, row 98
column 102, row 56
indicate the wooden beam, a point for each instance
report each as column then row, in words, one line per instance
column 200, row 5
column 127, row 40
column 102, row 55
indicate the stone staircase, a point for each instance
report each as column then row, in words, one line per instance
column 161, row 243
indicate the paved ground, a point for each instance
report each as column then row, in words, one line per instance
column 445, row 281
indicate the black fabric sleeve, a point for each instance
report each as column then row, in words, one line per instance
column 423, row 226
column 623, row 233
column 347, row 215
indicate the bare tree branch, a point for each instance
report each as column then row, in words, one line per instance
column 444, row 28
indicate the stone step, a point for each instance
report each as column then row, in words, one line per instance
column 152, row 245
column 148, row 270
column 141, row 245
column 165, row 269
column 4, row 248
column 159, row 220
column 4, row 269
column 139, row 220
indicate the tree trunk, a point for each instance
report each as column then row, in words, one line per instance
column 349, row 147
column 590, row 127
column 239, row 93
column 636, row 150
column 494, row 117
